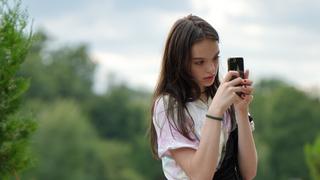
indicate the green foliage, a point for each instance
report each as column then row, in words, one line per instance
column 286, row 118
column 64, row 72
column 142, row 160
column 117, row 121
column 120, row 114
column 312, row 154
column 15, row 126
column 69, row 148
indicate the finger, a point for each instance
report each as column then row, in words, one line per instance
column 235, row 82
column 237, row 98
column 248, row 98
column 238, row 89
column 230, row 74
column 246, row 74
column 246, row 82
column 247, row 90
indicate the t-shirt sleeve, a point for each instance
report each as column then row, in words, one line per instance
column 168, row 137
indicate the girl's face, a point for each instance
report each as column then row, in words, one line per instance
column 204, row 62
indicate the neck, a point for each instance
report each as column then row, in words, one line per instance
column 203, row 97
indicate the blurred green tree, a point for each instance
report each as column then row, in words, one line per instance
column 15, row 126
column 65, row 72
column 312, row 154
column 142, row 160
column 119, row 114
column 69, row 148
column 286, row 118
column 123, row 115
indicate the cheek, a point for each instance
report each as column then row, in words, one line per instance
column 216, row 66
column 193, row 71
column 196, row 73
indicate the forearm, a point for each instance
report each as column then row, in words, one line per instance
column 205, row 159
column 247, row 150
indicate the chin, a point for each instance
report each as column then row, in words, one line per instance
column 208, row 84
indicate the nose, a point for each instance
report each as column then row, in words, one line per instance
column 212, row 67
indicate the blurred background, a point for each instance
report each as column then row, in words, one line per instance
column 93, row 66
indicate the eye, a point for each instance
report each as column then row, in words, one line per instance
column 199, row 62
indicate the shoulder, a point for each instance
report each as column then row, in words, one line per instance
column 162, row 102
column 159, row 109
column 164, row 110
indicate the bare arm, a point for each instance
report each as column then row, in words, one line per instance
column 201, row 163
column 247, row 151
column 247, row 154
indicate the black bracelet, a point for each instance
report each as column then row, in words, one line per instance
column 214, row 117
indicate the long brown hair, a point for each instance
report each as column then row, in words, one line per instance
column 175, row 77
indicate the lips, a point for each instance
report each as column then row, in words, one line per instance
column 208, row 77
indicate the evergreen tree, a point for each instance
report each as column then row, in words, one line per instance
column 15, row 126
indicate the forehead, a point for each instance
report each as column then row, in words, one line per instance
column 206, row 48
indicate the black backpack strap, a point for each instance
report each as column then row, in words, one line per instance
column 229, row 169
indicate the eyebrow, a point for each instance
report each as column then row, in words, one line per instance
column 198, row 58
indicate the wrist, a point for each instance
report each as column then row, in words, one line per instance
column 241, row 112
column 216, row 112
column 214, row 117
column 241, row 108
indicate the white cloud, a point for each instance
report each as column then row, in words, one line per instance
column 219, row 13
column 136, row 70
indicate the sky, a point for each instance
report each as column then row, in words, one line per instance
column 277, row 38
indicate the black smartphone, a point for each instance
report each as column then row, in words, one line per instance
column 236, row 64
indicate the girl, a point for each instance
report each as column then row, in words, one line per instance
column 200, row 127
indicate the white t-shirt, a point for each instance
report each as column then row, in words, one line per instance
column 169, row 138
